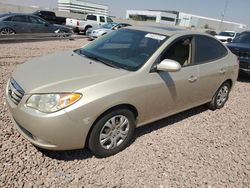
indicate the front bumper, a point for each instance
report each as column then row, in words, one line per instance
column 55, row 131
column 94, row 35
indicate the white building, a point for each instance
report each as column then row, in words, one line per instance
column 190, row 20
column 183, row 19
column 169, row 18
column 82, row 7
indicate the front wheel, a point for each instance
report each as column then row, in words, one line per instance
column 220, row 97
column 112, row 133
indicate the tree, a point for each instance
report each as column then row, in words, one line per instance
column 206, row 26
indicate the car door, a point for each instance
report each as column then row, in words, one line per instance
column 209, row 54
column 39, row 25
column 20, row 24
column 174, row 91
column 102, row 20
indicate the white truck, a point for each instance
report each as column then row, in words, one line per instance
column 91, row 21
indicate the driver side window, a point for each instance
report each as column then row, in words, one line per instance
column 180, row 51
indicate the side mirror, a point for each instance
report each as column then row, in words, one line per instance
column 46, row 24
column 168, row 65
column 229, row 40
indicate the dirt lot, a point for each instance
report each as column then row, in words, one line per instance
column 197, row 148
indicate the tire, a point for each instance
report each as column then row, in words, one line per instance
column 7, row 31
column 221, row 96
column 85, row 30
column 62, row 34
column 112, row 133
column 76, row 30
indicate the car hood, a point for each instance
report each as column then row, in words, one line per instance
column 63, row 72
column 102, row 30
column 239, row 46
column 222, row 37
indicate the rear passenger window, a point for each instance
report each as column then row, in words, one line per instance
column 208, row 49
column 91, row 17
column 19, row 19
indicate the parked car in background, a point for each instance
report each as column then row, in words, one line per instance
column 92, row 21
column 95, row 96
column 240, row 46
column 211, row 32
column 106, row 28
column 224, row 36
column 15, row 23
column 50, row 17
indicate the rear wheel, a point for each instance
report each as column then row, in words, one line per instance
column 112, row 133
column 220, row 97
column 63, row 34
column 7, row 31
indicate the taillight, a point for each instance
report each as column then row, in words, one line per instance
column 77, row 23
column 238, row 60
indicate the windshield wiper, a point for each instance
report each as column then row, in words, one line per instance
column 104, row 61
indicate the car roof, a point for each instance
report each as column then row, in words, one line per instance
column 14, row 14
column 157, row 29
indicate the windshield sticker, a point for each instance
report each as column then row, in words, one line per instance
column 155, row 36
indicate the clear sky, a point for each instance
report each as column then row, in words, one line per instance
column 237, row 10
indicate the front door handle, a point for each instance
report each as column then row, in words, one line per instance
column 192, row 79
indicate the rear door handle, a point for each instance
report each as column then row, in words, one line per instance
column 192, row 79
column 222, row 71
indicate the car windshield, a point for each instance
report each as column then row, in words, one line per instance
column 227, row 34
column 242, row 38
column 109, row 25
column 125, row 48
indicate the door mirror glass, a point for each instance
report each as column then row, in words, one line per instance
column 169, row 65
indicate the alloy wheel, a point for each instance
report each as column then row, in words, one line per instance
column 222, row 95
column 114, row 132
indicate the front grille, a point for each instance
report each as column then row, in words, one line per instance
column 245, row 65
column 241, row 53
column 15, row 92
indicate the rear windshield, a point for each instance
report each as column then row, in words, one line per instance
column 227, row 34
column 3, row 15
column 109, row 25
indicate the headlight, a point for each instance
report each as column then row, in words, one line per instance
column 52, row 102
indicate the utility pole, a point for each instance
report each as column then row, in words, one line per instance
column 223, row 14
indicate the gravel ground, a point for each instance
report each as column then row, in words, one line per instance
column 196, row 148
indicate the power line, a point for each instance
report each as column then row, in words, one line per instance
column 223, row 14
